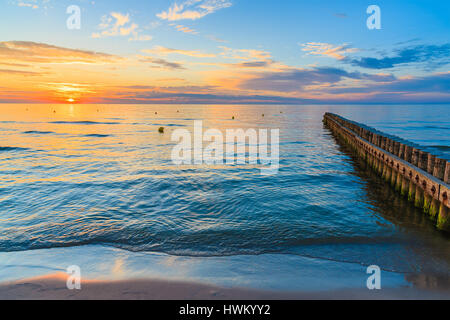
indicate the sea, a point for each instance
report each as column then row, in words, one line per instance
column 95, row 186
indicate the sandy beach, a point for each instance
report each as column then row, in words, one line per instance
column 53, row 287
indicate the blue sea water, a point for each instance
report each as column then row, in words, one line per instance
column 102, row 175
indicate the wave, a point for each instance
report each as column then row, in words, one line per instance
column 39, row 132
column 95, row 135
column 317, row 248
column 292, row 143
column 12, row 149
column 435, row 127
column 91, row 135
column 443, row 148
column 168, row 125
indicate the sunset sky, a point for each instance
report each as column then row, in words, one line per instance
column 224, row 51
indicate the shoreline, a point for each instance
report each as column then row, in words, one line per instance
column 111, row 273
column 272, row 272
column 53, row 287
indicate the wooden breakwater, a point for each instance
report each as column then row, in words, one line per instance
column 419, row 176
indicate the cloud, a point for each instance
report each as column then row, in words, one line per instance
column 118, row 24
column 193, row 9
column 16, row 96
column 254, row 64
column 62, row 90
column 293, row 80
column 163, row 51
column 432, row 89
column 326, row 49
column 33, row 4
column 213, row 38
column 184, row 29
column 137, row 37
column 341, row 15
column 18, row 72
column 14, row 64
column 407, row 41
column 432, row 56
column 162, row 63
column 188, row 94
column 244, row 54
column 198, row 98
column 438, row 83
column 27, row 51
column 138, row 89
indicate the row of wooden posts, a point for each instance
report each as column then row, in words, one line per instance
column 416, row 174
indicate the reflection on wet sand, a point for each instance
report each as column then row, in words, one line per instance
column 54, row 287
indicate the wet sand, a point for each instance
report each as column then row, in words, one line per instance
column 53, row 287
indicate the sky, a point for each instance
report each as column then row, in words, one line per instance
column 224, row 51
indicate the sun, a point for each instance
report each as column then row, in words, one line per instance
column 70, row 100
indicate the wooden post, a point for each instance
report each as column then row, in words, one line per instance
column 439, row 168
column 423, row 160
column 396, row 148
column 391, row 146
column 443, row 221
column 415, row 157
column 418, row 200
column 398, row 183
column 431, row 160
column 447, row 173
column 394, row 176
column 401, row 152
column 434, row 208
column 408, row 153
column 412, row 189
column 405, row 186
column 383, row 142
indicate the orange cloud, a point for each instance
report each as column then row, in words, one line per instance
column 326, row 49
column 27, row 51
column 244, row 54
column 193, row 9
column 163, row 51
column 18, row 72
column 118, row 24
column 184, row 29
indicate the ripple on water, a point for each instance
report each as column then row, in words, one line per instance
column 124, row 192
